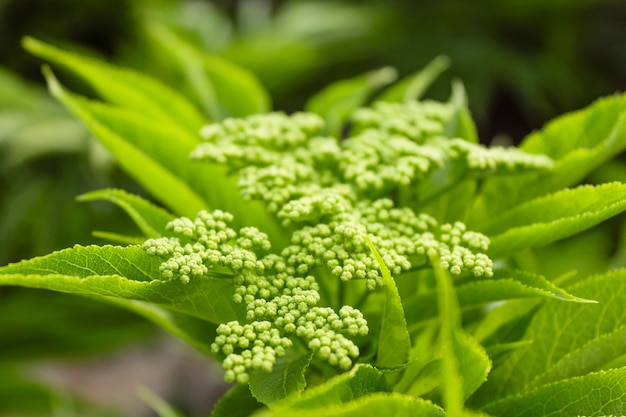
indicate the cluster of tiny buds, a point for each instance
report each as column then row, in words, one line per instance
column 258, row 344
column 324, row 330
column 210, row 243
column 414, row 120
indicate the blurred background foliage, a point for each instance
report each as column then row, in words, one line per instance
column 522, row 63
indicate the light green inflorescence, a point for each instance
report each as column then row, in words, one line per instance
column 330, row 195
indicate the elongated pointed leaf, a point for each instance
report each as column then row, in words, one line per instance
column 124, row 272
column 223, row 88
column 123, row 87
column 287, row 378
column 592, row 356
column 141, row 165
column 464, row 363
column 505, row 285
column 360, row 381
column 374, row 405
column 579, row 142
column 413, row 86
column 559, row 329
column 157, row 156
column 553, row 217
column 237, row 402
column 150, row 219
column 394, row 341
column 336, row 102
column 596, row 394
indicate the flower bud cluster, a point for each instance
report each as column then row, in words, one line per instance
column 453, row 244
column 253, row 346
column 375, row 161
column 206, row 244
column 479, row 158
column 415, row 120
column 323, row 330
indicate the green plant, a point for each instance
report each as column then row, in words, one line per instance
column 354, row 258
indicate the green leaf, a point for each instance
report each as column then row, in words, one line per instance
column 150, row 219
column 597, row 394
column 237, row 402
column 504, row 285
column 394, row 341
column 413, row 86
column 579, row 142
column 286, row 378
column 556, row 216
column 223, row 88
column 560, row 329
column 374, row 405
column 337, row 101
column 123, row 87
column 157, row 156
column 592, row 356
column 360, row 381
column 124, row 272
column 465, row 364
column 148, row 160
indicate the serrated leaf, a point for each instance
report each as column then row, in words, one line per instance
column 237, row 402
column 123, row 87
column 374, row 405
column 504, row 285
column 597, row 394
column 464, row 363
column 413, row 86
column 579, row 142
column 337, row 101
column 150, row 219
column 287, row 378
column 556, row 216
column 559, row 329
column 124, row 272
column 223, row 88
column 360, row 381
column 394, row 341
column 157, row 156
column 151, row 169
column 592, row 356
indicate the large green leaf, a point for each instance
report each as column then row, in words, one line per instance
column 360, row 381
column 595, row 394
column 287, row 378
column 157, row 156
column 374, row 405
column 237, row 402
column 560, row 329
column 124, row 272
column 123, row 87
column 504, row 285
column 578, row 142
column 556, row 216
column 148, row 161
